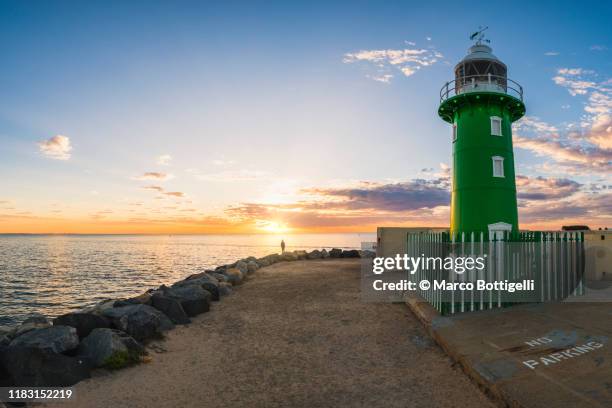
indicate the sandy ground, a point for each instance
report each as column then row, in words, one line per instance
column 295, row 335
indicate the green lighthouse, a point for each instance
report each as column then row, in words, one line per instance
column 481, row 103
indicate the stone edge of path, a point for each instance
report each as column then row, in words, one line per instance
column 428, row 315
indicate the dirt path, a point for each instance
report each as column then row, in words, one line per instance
column 295, row 335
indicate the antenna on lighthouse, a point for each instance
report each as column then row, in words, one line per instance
column 479, row 36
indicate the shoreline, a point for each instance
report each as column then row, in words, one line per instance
column 114, row 333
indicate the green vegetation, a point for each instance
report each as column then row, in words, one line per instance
column 122, row 359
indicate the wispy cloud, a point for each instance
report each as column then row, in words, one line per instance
column 153, row 188
column 574, row 80
column 174, row 194
column 234, row 175
column 58, row 147
column 407, row 60
column 551, row 53
column 598, row 47
column 152, row 175
column 164, row 160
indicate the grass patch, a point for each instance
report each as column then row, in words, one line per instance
column 122, row 359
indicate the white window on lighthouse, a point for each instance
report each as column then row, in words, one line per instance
column 496, row 126
column 498, row 166
column 454, row 132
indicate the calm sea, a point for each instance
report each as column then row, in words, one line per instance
column 54, row 274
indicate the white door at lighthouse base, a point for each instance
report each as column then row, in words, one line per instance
column 497, row 230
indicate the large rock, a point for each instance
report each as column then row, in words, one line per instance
column 242, row 267
column 193, row 298
column 139, row 321
column 289, row 256
column 367, row 254
column 204, row 283
column 84, row 323
column 225, row 289
column 170, row 307
column 219, row 276
column 316, row 254
column 34, row 367
column 35, row 321
column 335, row 253
column 324, row 254
column 105, row 346
column 101, row 307
column 55, row 339
column 262, row 262
column 144, row 299
column 234, row 276
column 252, row 266
column 351, row 253
column 301, row 255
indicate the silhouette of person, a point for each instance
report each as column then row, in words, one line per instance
column 283, row 245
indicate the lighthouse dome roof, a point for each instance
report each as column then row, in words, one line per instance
column 480, row 52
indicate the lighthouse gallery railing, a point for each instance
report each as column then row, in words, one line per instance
column 481, row 83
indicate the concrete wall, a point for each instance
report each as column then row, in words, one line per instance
column 392, row 240
column 598, row 247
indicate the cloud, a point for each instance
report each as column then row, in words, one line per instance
column 152, row 175
column 164, row 160
column 153, row 188
column 410, row 195
column 58, row 147
column 541, row 188
column 597, row 47
column 407, row 60
column 234, row 176
column 223, row 162
column 386, row 78
column 174, row 194
column 573, row 80
column 551, row 53
column 570, row 155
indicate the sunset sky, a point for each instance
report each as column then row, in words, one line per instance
column 223, row 117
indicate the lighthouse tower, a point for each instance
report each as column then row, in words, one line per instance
column 481, row 103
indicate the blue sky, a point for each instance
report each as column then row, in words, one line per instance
column 270, row 124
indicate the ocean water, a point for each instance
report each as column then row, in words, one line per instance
column 54, row 274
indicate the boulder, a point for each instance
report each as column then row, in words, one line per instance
column 35, row 321
column 272, row 258
column 193, row 298
column 101, row 306
column 219, row 276
column 84, row 323
column 144, row 299
column 170, row 307
column 234, row 276
column 324, row 254
column 103, row 347
column 208, row 285
column 335, row 253
column 289, row 256
column 55, row 339
column 301, row 254
column 367, row 254
column 225, row 289
column 316, row 254
column 351, row 253
column 5, row 336
column 262, row 262
column 139, row 321
column 252, row 266
column 242, row 267
column 34, row 367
